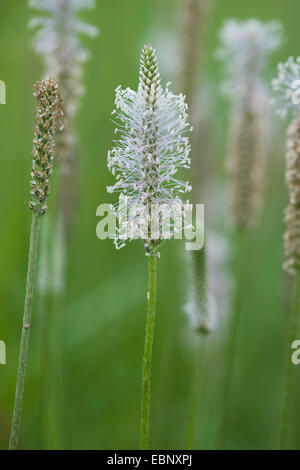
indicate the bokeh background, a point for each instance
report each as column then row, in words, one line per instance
column 104, row 321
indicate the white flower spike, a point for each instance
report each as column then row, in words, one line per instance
column 287, row 84
column 153, row 146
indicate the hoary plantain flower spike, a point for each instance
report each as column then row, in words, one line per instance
column 245, row 48
column 57, row 41
column 287, row 84
column 48, row 121
column 152, row 147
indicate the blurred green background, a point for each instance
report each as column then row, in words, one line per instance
column 104, row 322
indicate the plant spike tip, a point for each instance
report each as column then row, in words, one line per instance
column 153, row 146
column 49, row 115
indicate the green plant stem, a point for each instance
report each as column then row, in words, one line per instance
column 287, row 396
column 45, row 306
column 50, row 337
column 23, row 354
column 145, row 414
column 53, row 382
column 195, row 392
column 232, row 338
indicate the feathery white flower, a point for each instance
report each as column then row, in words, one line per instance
column 245, row 49
column 287, row 84
column 153, row 145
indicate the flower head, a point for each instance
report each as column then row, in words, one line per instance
column 48, row 120
column 287, row 84
column 245, row 49
column 57, row 41
column 60, row 28
column 153, row 146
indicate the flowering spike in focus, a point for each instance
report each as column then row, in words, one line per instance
column 152, row 146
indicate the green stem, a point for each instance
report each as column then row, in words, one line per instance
column 232, row 339
column 53, row 384
column 195, row 393
column 30, row 284
column 148, row 353
column 290, row 368
column 51, row 277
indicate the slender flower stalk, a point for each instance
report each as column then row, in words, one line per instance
column 238, row 264
column 195, row 392
column 48, row 116
column 209, row 298
column 57, row 39
column 192, row 28
column 289, row 373
column 147, row 359
column 152, row 147
column 287, row 84
column 201, row 313
column 192, row 14
column 245, row 49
